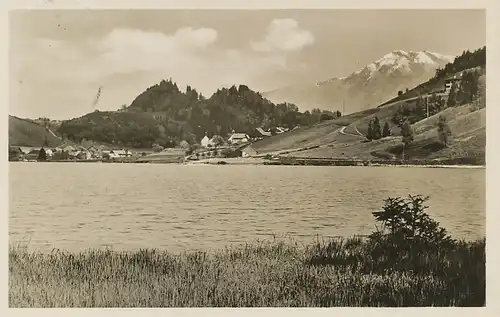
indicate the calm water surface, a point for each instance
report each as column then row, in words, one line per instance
column 74, row 206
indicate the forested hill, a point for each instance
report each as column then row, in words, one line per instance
column 165, row 115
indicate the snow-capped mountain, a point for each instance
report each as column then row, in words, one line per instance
column 368, row 87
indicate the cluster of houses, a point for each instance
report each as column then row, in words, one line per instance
column 237, row 145
column 67, row 152
column 234, row 139
column 261, row 133
column 242, row 138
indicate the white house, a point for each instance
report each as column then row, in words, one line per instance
column 94, row 151
column 455, row 80
column 205, row 141
column 248, row 151
column 26, row 149
column 120, row 153
column 113, row 154
column 263, row 133
column 280, row 130
column 83, row 155
column 159, row 116
column 238, row 138
column 74, row 153
column 65, row 148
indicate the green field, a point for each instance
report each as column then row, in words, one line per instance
column 467, row 123
column 23, row 132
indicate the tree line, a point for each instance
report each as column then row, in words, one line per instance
column 466, row 60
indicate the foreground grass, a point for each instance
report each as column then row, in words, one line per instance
column 272, row 274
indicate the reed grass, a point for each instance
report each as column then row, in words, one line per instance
column 273, row 274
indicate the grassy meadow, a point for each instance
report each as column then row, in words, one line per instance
column 350, row 272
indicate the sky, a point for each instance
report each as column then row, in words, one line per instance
column 59, row 59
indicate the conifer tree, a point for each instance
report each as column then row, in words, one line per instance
column 386, row 131
column 42, row 155
column 369, row 134
column 406, row 133
column 452, row 97
column 444, row 131
column 376, row 132
column 407, row 136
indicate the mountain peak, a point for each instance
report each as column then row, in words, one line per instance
column 380, row 80
column 424, row 56
column 396, row 53
column 404, row 61
column 399, row 60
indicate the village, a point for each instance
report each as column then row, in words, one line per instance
column 67, row 152
column 236, row 145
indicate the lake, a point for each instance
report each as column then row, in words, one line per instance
column 74, row 206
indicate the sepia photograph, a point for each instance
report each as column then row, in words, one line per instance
column 163, row 158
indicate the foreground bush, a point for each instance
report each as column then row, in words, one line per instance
column 408, row 261
column 453, row 276
column 408, row 240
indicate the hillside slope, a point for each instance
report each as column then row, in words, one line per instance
column 109, row 127
column 344, row 138
column 24, row 132
column 468, row 139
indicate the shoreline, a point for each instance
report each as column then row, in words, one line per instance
column 258, row 161
column 269, row 240
column 324, row 162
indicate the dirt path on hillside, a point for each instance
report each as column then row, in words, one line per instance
column 357, row 131
column 51, row 132
column 340, row 130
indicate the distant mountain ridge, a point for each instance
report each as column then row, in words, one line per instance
column 368, row 87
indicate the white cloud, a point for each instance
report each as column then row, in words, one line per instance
column 127, row 61
column 139, row 41
column 198, row 38
column 284, row 35
column 129, row 50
